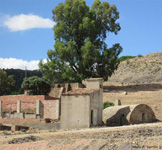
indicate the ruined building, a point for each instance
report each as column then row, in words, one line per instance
column 70, row 105
column 128, row 114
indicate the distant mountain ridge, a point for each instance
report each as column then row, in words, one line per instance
column 145, row 69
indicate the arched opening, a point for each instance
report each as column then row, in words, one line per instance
column 122, row 120
column 144, row 116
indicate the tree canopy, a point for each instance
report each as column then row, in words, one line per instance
column 7, row 83
column 80, row 50
column 19, row 76
column 36, row 85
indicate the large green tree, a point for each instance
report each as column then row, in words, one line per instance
column 80, row 50
column 36, row 85
column 7, row 83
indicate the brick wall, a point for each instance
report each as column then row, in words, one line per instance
column 51, row 109
column 10, row 102
column 49, row 106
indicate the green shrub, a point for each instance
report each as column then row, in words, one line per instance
column 36, row 85
column 123, row 58
column 14, row 93
column 107, row 104
column 139, row 55
column 23, row 130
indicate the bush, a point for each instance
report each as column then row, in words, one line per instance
column 14, row 93
column 123, row 58
column 107, row 104
column 23, row 130
column 140, row 55
column 36, row 85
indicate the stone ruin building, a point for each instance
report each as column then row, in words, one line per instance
column 127, row 114
column 70, row 105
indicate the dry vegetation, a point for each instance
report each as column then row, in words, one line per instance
column 146, row 69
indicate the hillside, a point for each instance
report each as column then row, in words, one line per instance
column 144, row 69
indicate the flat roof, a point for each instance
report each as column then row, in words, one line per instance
column 81, row 91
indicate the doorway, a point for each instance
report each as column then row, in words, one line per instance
column 91, row 117
column 122, row 120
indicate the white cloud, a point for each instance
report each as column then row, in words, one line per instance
column 8, row 63
column 25, row 22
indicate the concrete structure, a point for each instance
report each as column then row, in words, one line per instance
column 38, row 107
column 128, row 114
column 117, row 102
column 18, row 106
column 58, row 89
column 78, row 106
column 82, row 108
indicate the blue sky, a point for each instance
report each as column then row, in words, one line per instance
column 26, row 29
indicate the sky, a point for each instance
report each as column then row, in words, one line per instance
column 26, row 30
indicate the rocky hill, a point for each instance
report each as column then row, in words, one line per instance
column 145, row 69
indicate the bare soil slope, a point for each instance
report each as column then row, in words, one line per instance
column 144, row 69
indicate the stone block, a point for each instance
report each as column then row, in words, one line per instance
column 13, row 128
column 17, row 115
column 30, row 116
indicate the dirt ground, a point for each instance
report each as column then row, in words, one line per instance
column 145, row 136
column 150, row 94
